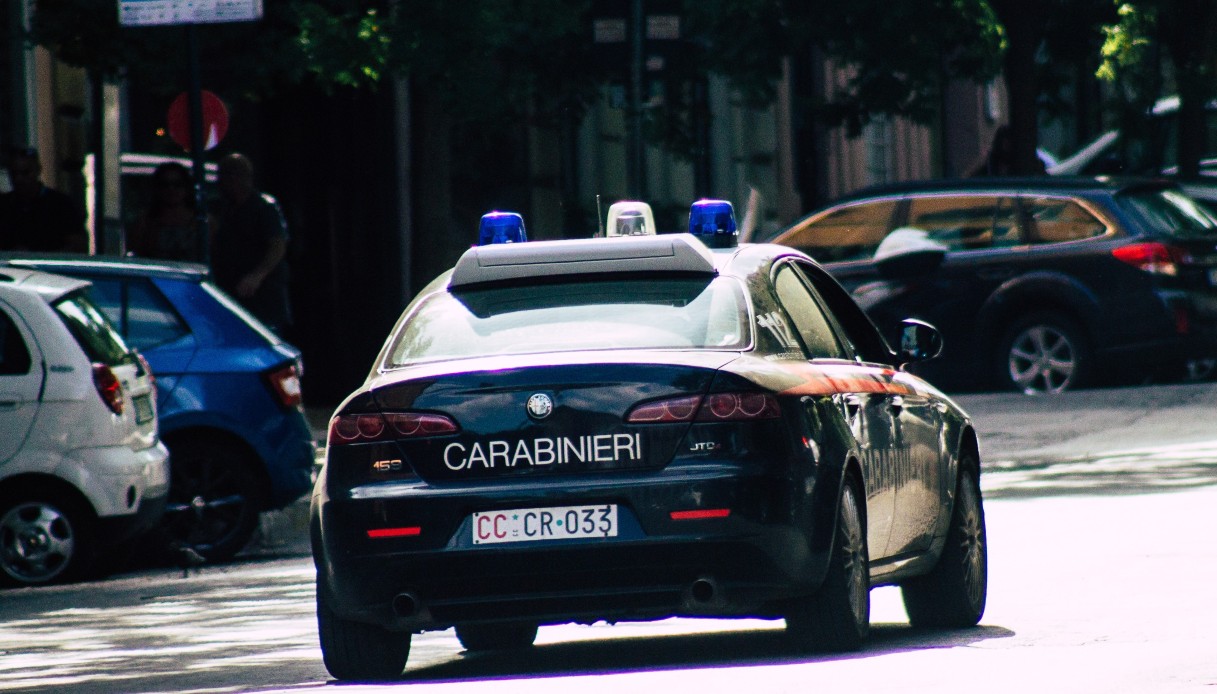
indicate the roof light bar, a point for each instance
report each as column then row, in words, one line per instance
column 713, row 221
column 630, row 218
column 501, row 227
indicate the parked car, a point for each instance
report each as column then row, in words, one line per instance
column 1037, row 284
column 633, row 428
column 229, row 391
column 82, row 470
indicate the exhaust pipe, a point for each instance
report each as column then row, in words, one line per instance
column 703, row 590
column 406, row 605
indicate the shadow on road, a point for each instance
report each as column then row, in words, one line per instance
column 1161, row 469
column 616, row 655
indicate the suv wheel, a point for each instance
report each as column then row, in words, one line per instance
column 1043, row 353
column 42, row 540
column 214, row 499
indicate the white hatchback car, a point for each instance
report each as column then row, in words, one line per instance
column 82, row 469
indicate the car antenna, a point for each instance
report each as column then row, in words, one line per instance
column 599, row 217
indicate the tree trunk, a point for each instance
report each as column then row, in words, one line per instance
column 1024, row 24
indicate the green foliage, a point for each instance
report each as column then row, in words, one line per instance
column 1126, row 42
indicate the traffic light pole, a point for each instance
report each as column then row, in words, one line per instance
column 195, row 102
column 637, row 150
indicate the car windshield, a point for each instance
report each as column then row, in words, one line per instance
column 97, row 337
column 1171, row 212
column 569, row 316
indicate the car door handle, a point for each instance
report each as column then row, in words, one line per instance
column 896, row 404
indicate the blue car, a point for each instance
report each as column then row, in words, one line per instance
column 228, row 392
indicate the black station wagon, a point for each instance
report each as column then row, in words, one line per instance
column 1037, row 284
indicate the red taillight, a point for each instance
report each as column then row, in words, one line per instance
column 1154, row 257
column 285, row 385
column 700, row 514
column 379, row 533
column 363, row 428
column 716, row 407
column 108, row 387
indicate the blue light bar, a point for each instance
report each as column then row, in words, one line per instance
column 713, row 221
column 501, row 227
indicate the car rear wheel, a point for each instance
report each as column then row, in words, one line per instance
column 214, row 499
column 43, row 540
column 953, row 595
column 496, row 637
column 359, row 651
column 1044, row 353
column 837, row 616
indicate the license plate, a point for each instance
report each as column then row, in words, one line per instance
column 143, row 408
column 1213, row 276
column 555, row 523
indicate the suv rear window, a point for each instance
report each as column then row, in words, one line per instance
column 642, row 313
column 97, row 337
column 1170, row 212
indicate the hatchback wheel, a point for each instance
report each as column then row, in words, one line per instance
column 1044, row 353
column 42, row 540
column 214, row 499
column 837, row 616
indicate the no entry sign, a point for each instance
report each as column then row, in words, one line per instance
column 215, row 120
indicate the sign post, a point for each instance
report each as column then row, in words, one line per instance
column 135, row 13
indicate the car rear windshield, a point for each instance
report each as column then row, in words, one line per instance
column 96, row 335
column 1171, row 212
column 569, row 316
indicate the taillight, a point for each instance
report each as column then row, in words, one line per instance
column 716, row 407
column 1153, row 257
column 364, row 428
column 108, row 387
column 285, row 385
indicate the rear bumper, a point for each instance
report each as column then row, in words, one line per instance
column 290, row 455
column 771, row 548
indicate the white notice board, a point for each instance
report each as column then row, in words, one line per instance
column 163, row 12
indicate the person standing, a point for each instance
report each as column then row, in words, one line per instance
column 248, row 253
column 35, row 217
column 167, row 229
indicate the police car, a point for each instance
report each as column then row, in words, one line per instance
column 634, row 428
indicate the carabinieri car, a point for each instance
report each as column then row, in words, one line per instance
column 635, row 428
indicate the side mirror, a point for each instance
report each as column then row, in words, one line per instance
column 919, row 341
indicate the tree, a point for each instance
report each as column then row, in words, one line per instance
column 1187, row 32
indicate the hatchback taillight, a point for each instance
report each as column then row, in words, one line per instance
column 284, row 383
column 365, row 428
column 108, row 387
column 1153, row 257
column 715, row 407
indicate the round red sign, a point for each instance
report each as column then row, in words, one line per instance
column 215, row 120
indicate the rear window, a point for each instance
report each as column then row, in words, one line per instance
column 96, row 335
column 1171, row 212
column 571, row 316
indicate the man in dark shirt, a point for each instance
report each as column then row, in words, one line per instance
column 34, row 217
column 250, row 245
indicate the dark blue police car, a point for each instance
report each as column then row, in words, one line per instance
column 634, row 428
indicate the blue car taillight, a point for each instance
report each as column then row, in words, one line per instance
column 388, row 426
column 284, row 383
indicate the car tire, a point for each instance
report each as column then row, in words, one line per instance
column 44, row 539
column 214, row 500
column 1044, row 352
column 952, row 595
column 496, row 637
column 356, row 651
column 837, row 617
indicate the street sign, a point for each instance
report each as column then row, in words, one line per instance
column 132, row 13
column 215, row 120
